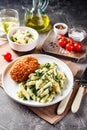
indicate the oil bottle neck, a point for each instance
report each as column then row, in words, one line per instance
column 35, row 4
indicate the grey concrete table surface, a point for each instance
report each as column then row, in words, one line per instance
column 14, row 116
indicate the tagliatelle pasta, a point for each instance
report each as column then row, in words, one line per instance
column 44, row 84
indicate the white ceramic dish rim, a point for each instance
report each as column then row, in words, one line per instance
column 41, row 58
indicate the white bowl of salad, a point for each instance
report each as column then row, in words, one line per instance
column 22, row 39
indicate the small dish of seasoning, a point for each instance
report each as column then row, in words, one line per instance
column 77, row 34
column 60, row 28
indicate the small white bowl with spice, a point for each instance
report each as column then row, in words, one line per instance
column 22, row 39
column 60, row 28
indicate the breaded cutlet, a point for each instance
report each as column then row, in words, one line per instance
column 23, row 67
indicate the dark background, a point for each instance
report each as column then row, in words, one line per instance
column 72, row 12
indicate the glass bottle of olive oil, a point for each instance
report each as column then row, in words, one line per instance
column 36, row 18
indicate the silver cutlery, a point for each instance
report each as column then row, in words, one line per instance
column 77, row 101
column 63, row 104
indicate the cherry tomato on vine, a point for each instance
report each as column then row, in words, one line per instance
column 62, row 42
column 61, row 36
column 69, row 47
column 70, row 40
column 77, row 46
column 8, row 56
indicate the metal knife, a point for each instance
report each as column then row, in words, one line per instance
column 77, row 101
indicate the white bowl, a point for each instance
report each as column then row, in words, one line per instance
column 58, row 31
column 77, row 34
column 23, row 47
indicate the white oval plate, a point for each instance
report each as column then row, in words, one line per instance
column 11, row 87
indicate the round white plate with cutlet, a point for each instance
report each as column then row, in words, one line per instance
column 11, row 87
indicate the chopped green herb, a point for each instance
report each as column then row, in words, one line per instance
column 47, row 88
column 38, row 73
column 47, row 65
column 33, row 89
column 42, row 96
column 15, row 39
column 56, row 78
column 31, row 98
column 24, row 98
column 25, row 86
column 48, row 74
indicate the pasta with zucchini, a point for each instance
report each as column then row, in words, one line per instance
column 44, row 84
